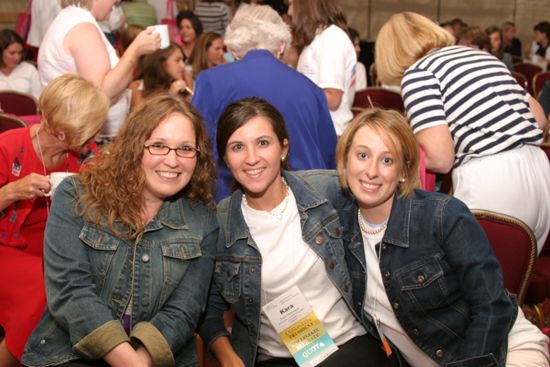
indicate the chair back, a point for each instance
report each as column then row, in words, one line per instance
column 538, row 81
column 521, row 79
column 8, row 122
column 379, row 97
column 515, row 247
column 373, row 74
column 18, row 103
column 528, row 70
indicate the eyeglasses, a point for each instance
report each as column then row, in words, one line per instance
column 185, row 151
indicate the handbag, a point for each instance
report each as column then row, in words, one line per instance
column 170, row 21
column 23, row 22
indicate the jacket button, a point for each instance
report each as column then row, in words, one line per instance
column 252, row 270
column 395, row 305
column 439, row 353
column 387, row 274
column 319, row 240
column 331, row 265
column 250, row 300
column 415, row 332
column 384, row 247
column 145, row 301
column 420, row 279
column 145, row 258
column 42, row 341
column 337, row 232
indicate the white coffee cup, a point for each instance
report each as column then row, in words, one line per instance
column 162, row 30
column 55, row 180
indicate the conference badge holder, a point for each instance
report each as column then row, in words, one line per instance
column 299, row 328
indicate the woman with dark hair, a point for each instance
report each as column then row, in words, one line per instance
column 540, row 48
column 129, row 248
column 327, row 55
column 286, row 228
column 16, row 74
column 161, row 71
column 512, row 44
column 208, row 52
column 190, row 29
column 497, row 46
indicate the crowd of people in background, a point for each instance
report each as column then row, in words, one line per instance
column 226, row 172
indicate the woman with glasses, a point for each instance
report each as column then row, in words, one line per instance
column 129, row 248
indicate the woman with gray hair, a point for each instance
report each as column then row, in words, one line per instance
column 257, row 36
column 75, row 43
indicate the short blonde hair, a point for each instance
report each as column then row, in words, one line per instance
column 404, row 39
column 80, row 3
column 74, row 106
column 396, row 133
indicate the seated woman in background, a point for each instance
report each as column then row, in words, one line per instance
column 129, row 248
column 208, row 52
column 161, row 71
column 190, row 29
column 290, row 234
column 15, row 74
column 424, row 275
column 497, row 47
column 470, row 115
column 512, row 44
column 360, row 70
column 73, row 113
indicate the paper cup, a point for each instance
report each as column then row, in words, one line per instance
column 162, row 30
column 55, row 180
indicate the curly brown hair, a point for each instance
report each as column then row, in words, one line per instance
column 113, row 185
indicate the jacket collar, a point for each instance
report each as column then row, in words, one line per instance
column 306, row 198
column 171, row 214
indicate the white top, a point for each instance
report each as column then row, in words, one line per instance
column 43, row 12
column 329, row 61
column 287, row 261
column 523, row 335
column 23, row 79
column 53, row 61
column 360, row 76
column 115, row 21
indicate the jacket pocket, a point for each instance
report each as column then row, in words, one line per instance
column 423, row 282
column 175, row 258
column 103, row 247
column 226, row 275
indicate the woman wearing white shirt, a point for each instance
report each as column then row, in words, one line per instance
column 14, row 74
column 327, row 54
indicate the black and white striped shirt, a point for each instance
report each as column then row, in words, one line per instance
column 475, row 95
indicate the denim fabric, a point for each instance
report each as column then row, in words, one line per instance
column 92, row 274
column 441, row 277
column 237, row 271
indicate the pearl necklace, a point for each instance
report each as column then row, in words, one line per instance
column 275, row 212
column 364, row 224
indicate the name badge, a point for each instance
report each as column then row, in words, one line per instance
column 301, row 331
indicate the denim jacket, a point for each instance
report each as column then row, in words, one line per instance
column 237, row 271
column 442, row 279
column 92, row 275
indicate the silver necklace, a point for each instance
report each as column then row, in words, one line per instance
column 276, row 212
column 364, row 224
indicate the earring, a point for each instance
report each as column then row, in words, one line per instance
column 283, row 158
column 402, row 180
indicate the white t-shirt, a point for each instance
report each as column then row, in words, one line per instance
column 329, row 61
column 43, row 12
column 53, row 61
column 361, row 76
column 287, row 261
column 23, row 79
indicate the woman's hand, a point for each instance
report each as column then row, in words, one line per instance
column 146, row 42
column 177, row 86
column 225, row 354
column 29, row 187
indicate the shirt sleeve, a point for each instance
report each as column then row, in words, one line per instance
column 423, row 100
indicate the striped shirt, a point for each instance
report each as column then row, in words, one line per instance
column 214, row 16
column 475, row 95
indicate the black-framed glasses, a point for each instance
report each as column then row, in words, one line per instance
column 185, row 151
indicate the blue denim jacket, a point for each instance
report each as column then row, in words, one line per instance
column 237, row 272
column 92, row 274
column 441, row 277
